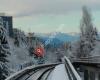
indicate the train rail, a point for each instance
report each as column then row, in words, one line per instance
column 45, row 72
column 26, row 73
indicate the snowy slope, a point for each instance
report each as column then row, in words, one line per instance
column 19, row 56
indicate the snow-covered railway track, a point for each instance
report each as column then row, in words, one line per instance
column 60, row 71
column 27, row 74
column 39, row 74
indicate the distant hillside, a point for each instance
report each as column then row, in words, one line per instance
column 57, row 38
column 66, row 37
column 60, row 36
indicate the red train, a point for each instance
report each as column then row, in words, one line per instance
column 39, row 51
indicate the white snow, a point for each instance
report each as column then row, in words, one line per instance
column 18, row 57
column 73, row 69
column 59, row 73
column 21, row 71
column 96, row 51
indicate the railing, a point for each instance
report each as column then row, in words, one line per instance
column 91, row 59
column 72, row 73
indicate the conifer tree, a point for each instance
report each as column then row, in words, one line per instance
column 4, row 71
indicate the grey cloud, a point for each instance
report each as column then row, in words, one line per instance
column 20, row 8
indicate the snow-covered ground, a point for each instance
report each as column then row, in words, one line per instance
column 96, row 51
column 59, row 73
column 19, row 56
column 50, row 57
column 75, row 45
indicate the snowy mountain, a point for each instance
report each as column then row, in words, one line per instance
column 66, row 37
column 57, row 38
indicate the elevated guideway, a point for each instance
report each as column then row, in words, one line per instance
column 58, row 71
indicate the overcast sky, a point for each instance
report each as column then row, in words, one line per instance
column 48, row 15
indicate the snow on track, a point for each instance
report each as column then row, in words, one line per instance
column 38, row 73
column 59, row 73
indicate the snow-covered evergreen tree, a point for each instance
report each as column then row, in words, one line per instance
column 16, row 37
column 20, row 38
column 4, row 72
column 88, row 34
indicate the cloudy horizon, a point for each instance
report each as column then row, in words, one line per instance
column 47, row 15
